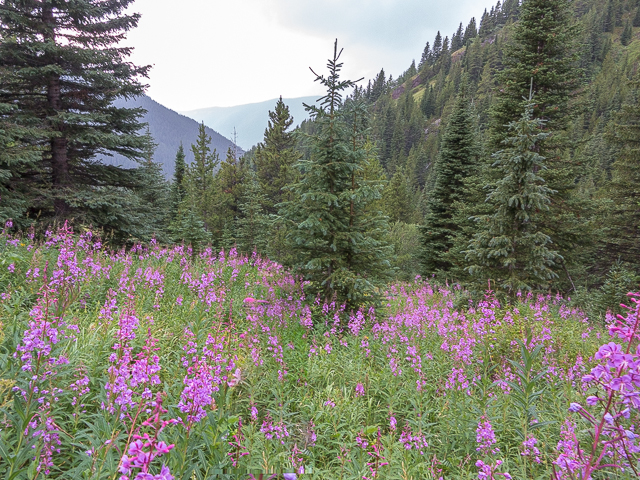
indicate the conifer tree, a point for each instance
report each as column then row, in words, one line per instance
column 470, row 32
column 425, row 59
column 253, row 228
column 623, row 242
column 428, row 102
column 485, row 27
column 338, row 241
column 199, row 178
column 636, row 18
column 61, row 69
column 627, row 34
column 228, row 191
column 457, row 39
column 155, row 197
column 275, row 157
column 379, row 86
column 437, row 47
column 190, row 229
column 398, row 198
column 178, row 189
column 510, row 247
column 457, row 160
column 541, row 61
column 19, row 154
column 543, row 49
column 510, row 9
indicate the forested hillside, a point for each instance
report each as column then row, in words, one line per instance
column 437, row 127
column 168, row 129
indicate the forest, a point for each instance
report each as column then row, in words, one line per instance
column 429, row 278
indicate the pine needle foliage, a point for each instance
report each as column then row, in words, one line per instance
column 509, row 247
column 338, row 242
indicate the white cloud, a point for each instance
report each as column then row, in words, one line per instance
column 220, row 53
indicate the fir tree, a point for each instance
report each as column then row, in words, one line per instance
column 627, row 34
column 543, row 49
column 437, row 47
column 470, row 32
column 275, row 157
column 228, row 191
column 338, row 240
column 61, row 69
column 457, row 160
column 425, row 59
column 428, row 102
column 190, row 229
column 623, row 242
column 510, row 247
column 379, row 86
column 541, row 61
column 178, row 189
column 485, row 27
column 19, row 154
column 457, row 39
column 610, row 16
column 510, row 9
column 253, row 225
column 398, row 198
column 199, row 178
column 636, row 18
column 155, row 196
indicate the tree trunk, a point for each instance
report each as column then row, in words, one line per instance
column 60, row 178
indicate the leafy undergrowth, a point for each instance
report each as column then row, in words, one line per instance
column 155, row 363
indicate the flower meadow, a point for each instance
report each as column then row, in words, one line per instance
column 159, row 363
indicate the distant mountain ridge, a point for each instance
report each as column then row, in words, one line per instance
column 168, row 129
column 249, row 120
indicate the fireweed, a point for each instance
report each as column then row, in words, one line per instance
column 92, row 337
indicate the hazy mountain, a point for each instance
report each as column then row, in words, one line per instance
column 168, row 129
column 249, row 120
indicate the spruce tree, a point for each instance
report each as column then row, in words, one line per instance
column 627, row 34
column 541, row 61
column 623, row 242
column 337, row 239
column 178, row 189
column 190, row 230
column 19, row 154
column 636, row 18
column 470, row 32
column 253, row 226
column 228, row 191
column 437, row 48
column 457, row 39
column 510, row 247
column 398, row 198
column 426, row 56
column 379, row 86
column 61, row 69
column 457, row 159
column 155, row 197
column 199, row 178
column 542, row 50
column 275, row 157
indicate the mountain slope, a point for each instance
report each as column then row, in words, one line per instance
column 168, row 129
column 249, row 120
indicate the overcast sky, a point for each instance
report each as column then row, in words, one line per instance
column 209, row 53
